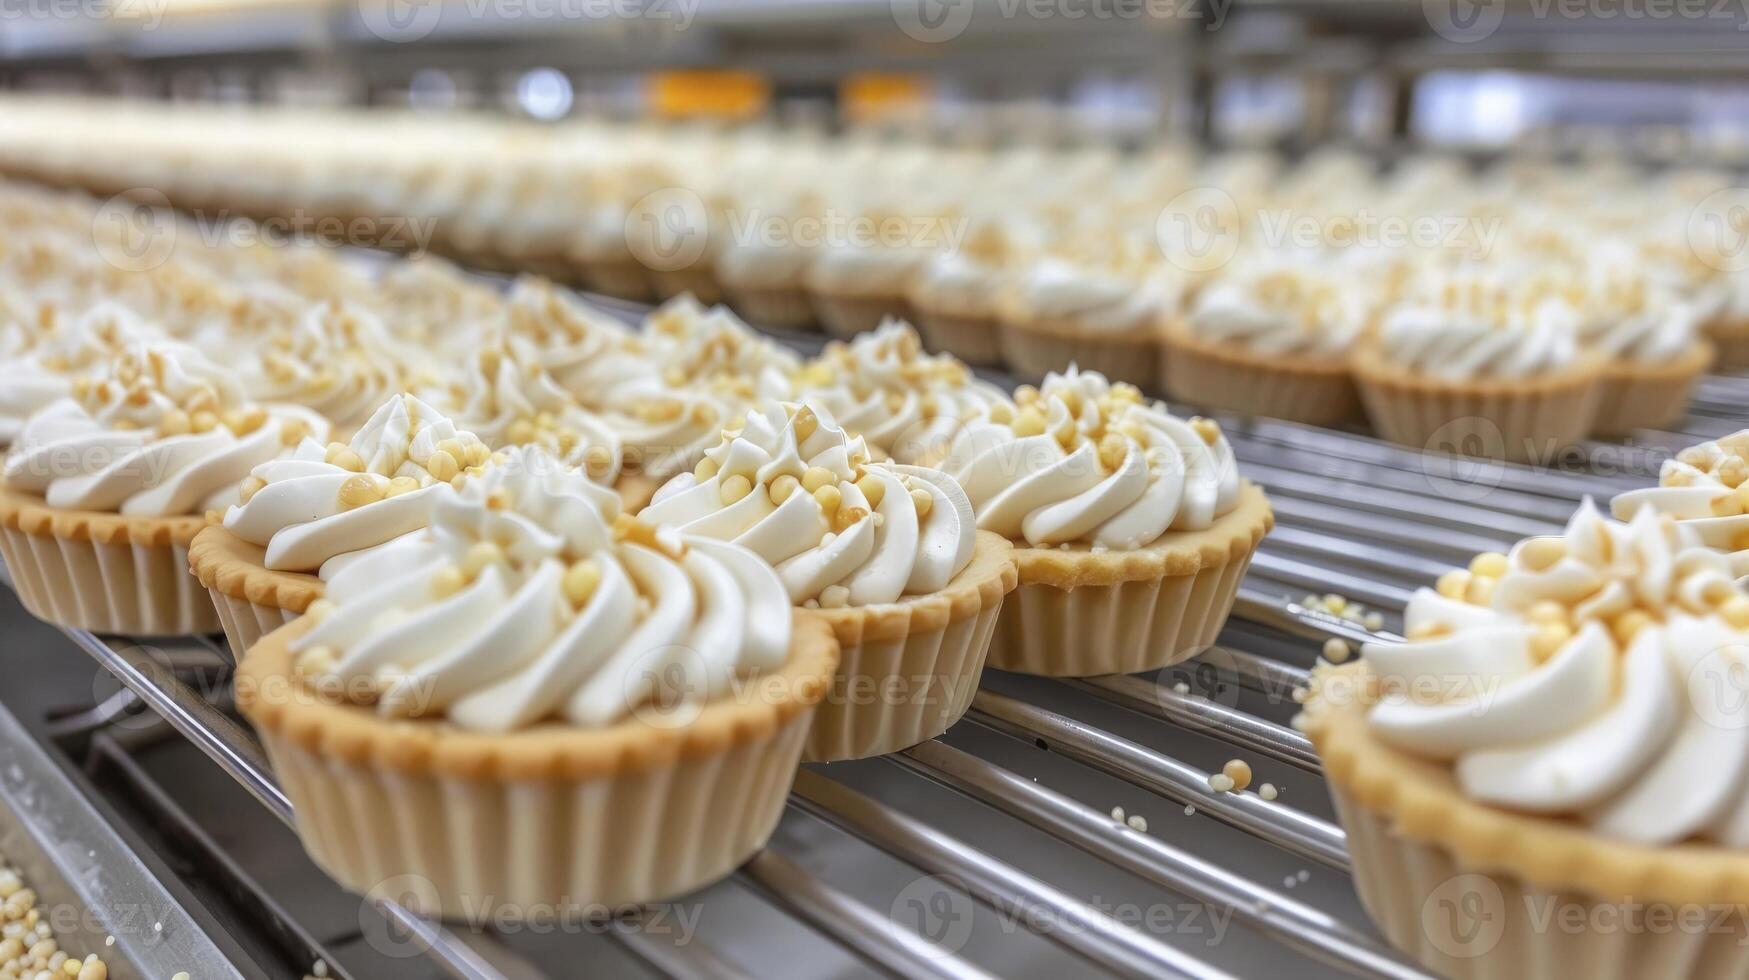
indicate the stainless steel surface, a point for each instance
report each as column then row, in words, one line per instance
column 1005, row 818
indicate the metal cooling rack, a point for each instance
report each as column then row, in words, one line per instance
column 992, row 851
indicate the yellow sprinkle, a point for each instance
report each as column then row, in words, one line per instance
column 341, row 455
column 782, row 487
column 818, row 477
column 1489, row 563
column 1239, row 771
column 1736, row 612
column 874, row 488
column 805, row 423
column 1029, row 422
column 1337, row 650
column 734, row 488
column 480, row 555
column 247, row 421
column 442, row 466
column 1546, row 611
column 1207, row 429
column 1548, row 640
column 402, row 484
column 1538, row 554
column 846, row 517
column 1025, row 395
column 1453, row 584
column 250, row 487
column 923, row 500
column 1727, row 506
column 520, row 432
column 1335, row 603
column 174, row 422
column 1481, row 590
column 1112, row 450
column 706, row 468
column 1629, row 624
column 365, row 488
column 580, row 581
column 203, row 421
column 1427, row 631
column 828, row 498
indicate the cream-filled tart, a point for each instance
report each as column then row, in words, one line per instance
column 1132, row 527
column 883, row 387
column 105, row 489
column 1655, row 348
column 1703, row 488
column 293, row 519
column 1102, row 315
column 888, row 554
column 1474, row 362
column 43, row 348
column 1558, row 731
column 1273, row 340
column 500, row 708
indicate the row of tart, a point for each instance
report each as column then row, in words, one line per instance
column 1527, row 306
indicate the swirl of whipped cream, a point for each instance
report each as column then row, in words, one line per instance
column 318, row 503
column 1704, row 488
column 587, row 352
column 1629, row 317
column 883, row 387
column 1580, row 676
column 797, row 490
column 971, row 279
column 508, row 399
column 530, row 598
column 1091, row 298
column 1085, row 460
column 162, row 433
column 338, row 359
column 1278, row 311
column 49, row 349
column 1467, row 326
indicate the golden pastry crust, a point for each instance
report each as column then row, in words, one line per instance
column 29, row 514
column 991, row 575
column 1421, row 800
column 1231, row 537
column 1179, row 336
column 1372, row 367
column 1067, row 328
column 229, row 565
column 279, row 702
column 1689, row 364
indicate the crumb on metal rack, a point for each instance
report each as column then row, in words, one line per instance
column 1344, row 608
column 1138, row 823
column 1267, row 791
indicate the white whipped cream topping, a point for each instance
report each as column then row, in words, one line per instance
column 1631, row 317
column 1084, row 460
column 338, row 359
column 43, row 349
column 506, row 398
column 883, row 387
column 587, row 352
column 530, row 599
column 796, row 489
column 1463, row 327
column 1279, row 311
column 1586, row 675
column 1101, row 301
column 161, row 434
column 1702, row 488
column 322, row 502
